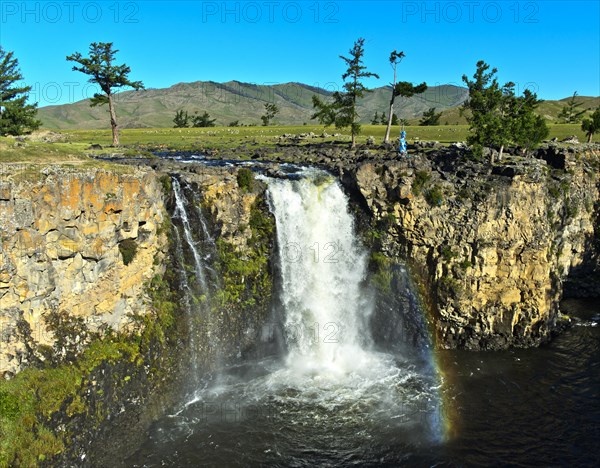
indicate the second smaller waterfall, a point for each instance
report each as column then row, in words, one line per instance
column 181, row 213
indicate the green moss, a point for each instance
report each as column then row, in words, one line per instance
column 164, row 227
column 450, row 286
column 128, row 249
column 70, row 336
column 381, row 272
column 164, row 305
column 389, row 220
column 246, row 278
column 554, row 191
column 9, row 405
column 559, row 189
column 34, row 395
column 571, row 209
column 30, row 400
column 167, row 184
column 245, row 179
column 447, row 253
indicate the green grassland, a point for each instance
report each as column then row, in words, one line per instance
column 548, row 109
column 244, row 102
column 25, row 161
column 225, row 137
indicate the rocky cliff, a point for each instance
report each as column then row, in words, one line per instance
column 89, row 257
column 491, row 247
column 78, row 241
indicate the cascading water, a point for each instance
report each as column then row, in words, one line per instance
column 323, row 271
column 334, row 396
column 181, row 213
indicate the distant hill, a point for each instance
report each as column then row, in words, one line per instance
column 244, row 102
column 235, row 100
column 548, row 109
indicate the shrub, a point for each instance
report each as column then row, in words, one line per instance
column 421, row 178
column 434, row 196
column 245, row 179
column 128, row 249
column 447, row 253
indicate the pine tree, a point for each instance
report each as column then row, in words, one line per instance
column 395, row 121
column 100, row 67
column 592, row 125
column 487, row 128
column 405, row 89
column 271, row 110
column 202, row 120
column 395, row 58
column 497, row 117
column 570, row 112
column 181, row 119
column 16, row 116
column 430, row 117
column 342, row 110
column 527, row 129
column 375, row 120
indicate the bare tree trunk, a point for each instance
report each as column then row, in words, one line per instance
column 590, row 135
column 500, row 154
column 113, row 121
column 352, row 128
column 389, row 123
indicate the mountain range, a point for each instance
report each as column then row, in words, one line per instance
column 234, row 100
column 244, row 102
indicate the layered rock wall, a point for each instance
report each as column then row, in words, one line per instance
column 78, row 241
column 491, row 247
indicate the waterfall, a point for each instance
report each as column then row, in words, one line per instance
column 181, row 213
column 194, row 244
column 323, row 275
column 334, row 395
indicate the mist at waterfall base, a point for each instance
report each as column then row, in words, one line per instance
column 354, row 383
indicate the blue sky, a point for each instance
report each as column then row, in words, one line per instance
column 550, row 46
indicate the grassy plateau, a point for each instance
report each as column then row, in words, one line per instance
column 230, row 137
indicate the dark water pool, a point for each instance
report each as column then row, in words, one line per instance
column 538, row 407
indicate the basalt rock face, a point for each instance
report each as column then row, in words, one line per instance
column 491, row 247
column 78, row 241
